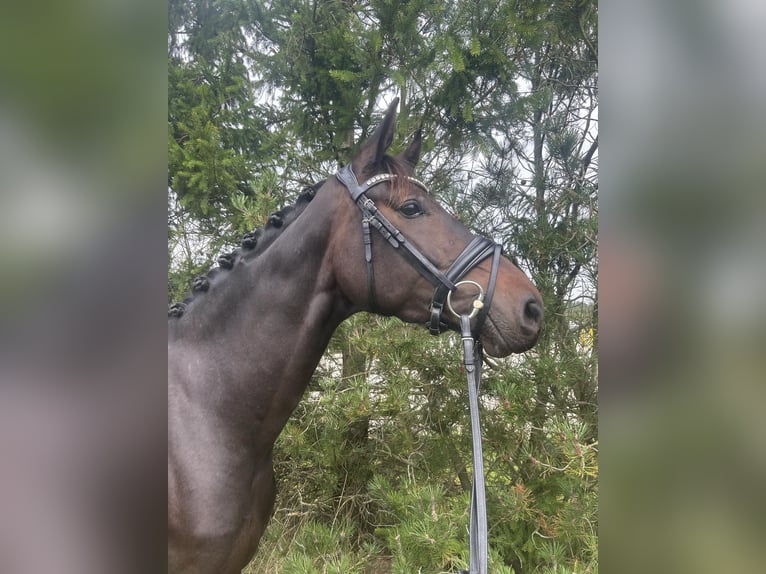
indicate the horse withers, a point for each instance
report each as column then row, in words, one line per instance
column 242, row 350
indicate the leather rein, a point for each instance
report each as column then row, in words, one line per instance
column 445, row 284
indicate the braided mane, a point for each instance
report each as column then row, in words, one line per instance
column 253, row 244
column 256, row 241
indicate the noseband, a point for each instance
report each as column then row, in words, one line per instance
column 444, row 283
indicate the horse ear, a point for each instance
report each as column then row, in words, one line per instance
column 412, row 153
column 381, row 139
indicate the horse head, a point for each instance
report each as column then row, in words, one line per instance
column 375, row 277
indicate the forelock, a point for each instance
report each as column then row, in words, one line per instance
column 400, row 185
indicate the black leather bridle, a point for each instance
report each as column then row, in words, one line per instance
column 444, row 285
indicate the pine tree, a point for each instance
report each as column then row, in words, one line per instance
column 374, row 466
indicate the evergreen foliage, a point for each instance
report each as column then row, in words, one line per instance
column 374, row 466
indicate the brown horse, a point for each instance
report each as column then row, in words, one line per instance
column 242, row 350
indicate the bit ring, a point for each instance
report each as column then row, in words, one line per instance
column 477, row 304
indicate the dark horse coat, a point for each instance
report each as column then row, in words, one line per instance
column 241, row 352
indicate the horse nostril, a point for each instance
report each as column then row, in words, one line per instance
column 533, row 314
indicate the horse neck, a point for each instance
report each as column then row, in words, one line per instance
column 263, row 329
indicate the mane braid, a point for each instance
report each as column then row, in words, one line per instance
column 253, row 244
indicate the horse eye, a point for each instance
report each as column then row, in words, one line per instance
column 411, row 209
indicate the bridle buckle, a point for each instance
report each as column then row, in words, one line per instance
column 369, row 205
